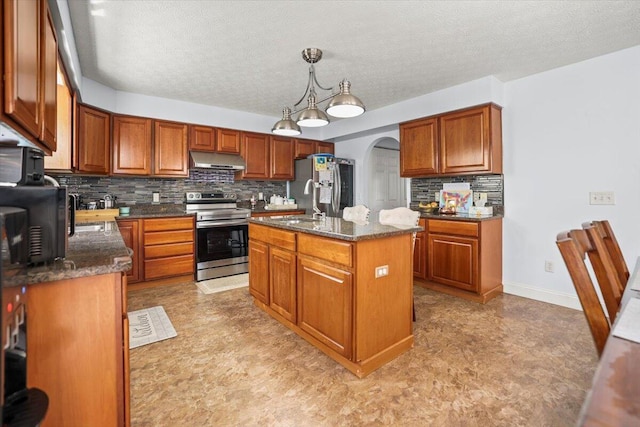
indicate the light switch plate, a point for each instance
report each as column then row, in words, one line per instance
column 602, row 198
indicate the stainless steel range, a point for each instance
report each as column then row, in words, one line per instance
column 222, row 234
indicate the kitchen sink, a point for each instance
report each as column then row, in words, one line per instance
column 89, row 227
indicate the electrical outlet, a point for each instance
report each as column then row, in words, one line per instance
column 437, row 196
column 548, row 266
column 156, row 197
column 382, row 271
column 602, row 198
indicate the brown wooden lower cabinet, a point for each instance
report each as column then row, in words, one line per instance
column 324, row 289
column 461, row 258
column 78, row 346
column 420, row 252
column 130, row 231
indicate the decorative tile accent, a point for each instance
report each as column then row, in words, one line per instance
column 423, row 189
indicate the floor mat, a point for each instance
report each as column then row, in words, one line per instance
column 212, row 286
column 149, row 325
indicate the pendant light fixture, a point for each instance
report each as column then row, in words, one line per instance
column 342, row 103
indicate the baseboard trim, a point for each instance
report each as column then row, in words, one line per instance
column 551, row 297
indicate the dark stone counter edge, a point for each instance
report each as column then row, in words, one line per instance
column 95, row 251
column 461, row 217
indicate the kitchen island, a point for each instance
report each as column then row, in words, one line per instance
column 345, row 287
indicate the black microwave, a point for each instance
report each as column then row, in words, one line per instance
column 48, row 215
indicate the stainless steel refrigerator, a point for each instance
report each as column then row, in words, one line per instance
column 330, row 179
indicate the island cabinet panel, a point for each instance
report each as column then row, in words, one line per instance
column 325, row 305
column 93, row 139
column 420, row 252
column 282, row 282
column 78, row 349
column 464, row 258
column 170, row 149
column 131, row 145
column 419, row 148
column 332, row 250
column 259, row 270
column 384, row 304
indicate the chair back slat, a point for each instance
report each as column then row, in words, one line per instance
column 615, row 252
column 573, row 246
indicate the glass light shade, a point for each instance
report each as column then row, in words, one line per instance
column 286, row 126
column 345, row 105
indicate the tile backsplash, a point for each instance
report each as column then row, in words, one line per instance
column 132, row 190
column 424, row 189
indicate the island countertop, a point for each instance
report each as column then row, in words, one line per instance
column 336, row 228
column 90, row 253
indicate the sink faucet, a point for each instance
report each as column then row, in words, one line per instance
column 317, row 213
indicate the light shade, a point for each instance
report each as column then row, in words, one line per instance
column 311, row 116
column 286, row 126
column 345, row 105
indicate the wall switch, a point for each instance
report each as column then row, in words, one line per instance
column 156, row 197
column 381, row 271
column 602, row 198
column 437, row 196
column 548, row 266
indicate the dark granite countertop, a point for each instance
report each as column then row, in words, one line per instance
column 155, row 211
column 460, row 216
column 90, row 253
column 335, row 228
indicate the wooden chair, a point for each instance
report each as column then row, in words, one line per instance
column 615, row 253
column 401, row 217
column 573, row 246
column 605, row 271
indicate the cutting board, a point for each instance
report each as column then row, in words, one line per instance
column 97, row 214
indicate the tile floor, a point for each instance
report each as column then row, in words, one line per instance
column 511, row 362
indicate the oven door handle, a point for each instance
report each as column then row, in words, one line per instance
column 210, row 224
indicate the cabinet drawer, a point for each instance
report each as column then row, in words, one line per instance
column 171, row 249
column 328, row 249
column 458, row 228
column 162, row 237
column 273, row 236
column 166, row 224
column 166, row 267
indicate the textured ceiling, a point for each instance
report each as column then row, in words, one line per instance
column 245, row 55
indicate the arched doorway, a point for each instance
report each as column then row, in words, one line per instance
column 386, row 189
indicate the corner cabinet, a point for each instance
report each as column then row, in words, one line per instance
column 464, row 258
column 462, row 142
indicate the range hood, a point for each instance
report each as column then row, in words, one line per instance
column 206, row 160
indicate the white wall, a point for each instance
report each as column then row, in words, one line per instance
column 567, row 132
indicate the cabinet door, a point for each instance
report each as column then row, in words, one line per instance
column 420, row 252
column 22, row 63
column 419, row 148
column 465, row 141
column 131, row 145
column 282, row 282
column 170, row 149
column 453, row 261
column 61, row 158
column 259, row 271
column 324, row 147
column 304, row 148
column 325, row 304
column 93, row 137
column 49, row 75
column 130, row 230
column 282, row 158
column 228, row 141
column 202, row 138
column 255, row 151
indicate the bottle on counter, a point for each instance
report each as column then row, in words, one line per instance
column 253, row 202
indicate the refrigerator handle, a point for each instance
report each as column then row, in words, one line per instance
column 337, row 188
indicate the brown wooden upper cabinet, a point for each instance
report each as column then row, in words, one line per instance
column 306, row 147
column 93, row 140
column 131, row 145
column 255, row 150
column 30, row 55
column 228, row 141
column 282, row 150
column 462, row 142
column 170, row 149
column 202, row 138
